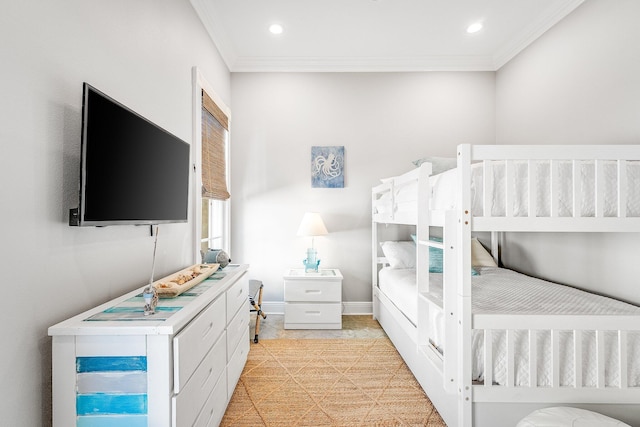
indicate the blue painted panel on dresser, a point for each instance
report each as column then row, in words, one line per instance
column 111, row 382
column 111, row 363
column 87, row 404
column 112, row 421
column 120, row 310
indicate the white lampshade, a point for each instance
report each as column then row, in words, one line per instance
column 312, row 225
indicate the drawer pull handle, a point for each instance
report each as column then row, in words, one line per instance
column 206, row 331
column 207, row 378
column 313, row 291
column 316, row 313
column 210, row 416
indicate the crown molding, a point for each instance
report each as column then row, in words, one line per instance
column 207, row 13
column 362, row 64
column 534, row 31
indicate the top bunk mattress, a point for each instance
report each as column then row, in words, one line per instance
column 444, row 190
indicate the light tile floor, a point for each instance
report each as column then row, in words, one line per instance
column 353, row 326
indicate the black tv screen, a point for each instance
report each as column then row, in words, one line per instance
column 132, row 171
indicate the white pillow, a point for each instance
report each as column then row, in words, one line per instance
column 480, row 257
column 567, row 416
column 438, row 164
column 400, row 254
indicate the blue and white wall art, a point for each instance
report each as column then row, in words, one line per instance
column 327, row 167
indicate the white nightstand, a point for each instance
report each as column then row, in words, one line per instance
column 313, row 300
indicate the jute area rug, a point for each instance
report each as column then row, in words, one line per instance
column 328, row 382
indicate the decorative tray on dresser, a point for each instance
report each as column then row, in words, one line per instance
column 177, row 283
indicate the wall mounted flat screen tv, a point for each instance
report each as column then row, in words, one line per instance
column 131, row 171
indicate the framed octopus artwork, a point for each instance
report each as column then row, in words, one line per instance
column 327, row 167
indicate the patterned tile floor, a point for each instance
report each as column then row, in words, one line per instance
column 353, row 326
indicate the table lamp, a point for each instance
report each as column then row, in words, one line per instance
column 312, row 226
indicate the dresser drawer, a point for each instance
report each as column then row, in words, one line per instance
column 316, row 290
column 299, row 313
column 237, row 296
column 214, row 407
column 193, row 396
column 236, row 331
column 236, row 364
column 195, row 340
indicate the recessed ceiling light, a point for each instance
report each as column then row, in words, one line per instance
column 276, row 29
column 474, row 28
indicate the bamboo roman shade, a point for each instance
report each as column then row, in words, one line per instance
column 215, row 128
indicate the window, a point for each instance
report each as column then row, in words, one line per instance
column 212, row 225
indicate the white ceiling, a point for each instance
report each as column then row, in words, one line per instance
column 376, row 35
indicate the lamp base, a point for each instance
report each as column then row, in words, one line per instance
column 311, row 268
column 312, row 262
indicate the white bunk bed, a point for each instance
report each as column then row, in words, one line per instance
column 503, row 357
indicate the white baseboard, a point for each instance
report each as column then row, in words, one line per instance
column 274, row 307
column 348, row 308
column 362, row 307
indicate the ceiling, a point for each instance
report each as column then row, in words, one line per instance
column 376, row 35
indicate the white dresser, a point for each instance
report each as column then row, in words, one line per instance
column 313, row 300
column 179, row 367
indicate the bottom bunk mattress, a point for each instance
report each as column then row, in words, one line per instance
column 502, row 291
column 399, row 285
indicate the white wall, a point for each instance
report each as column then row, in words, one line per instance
column 577, row 84
column 139, row 52
column 384, row 121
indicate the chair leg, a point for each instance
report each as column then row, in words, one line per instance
column 258, row 309
column 255, row 338
column 262, row 313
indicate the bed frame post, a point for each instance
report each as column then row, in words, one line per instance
column 450, row 303
column 374, row 260
column 422, row 252
column 496, row 241
column 465, row 397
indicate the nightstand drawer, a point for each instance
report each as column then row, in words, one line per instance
column 296, row 313
column 311, row 291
